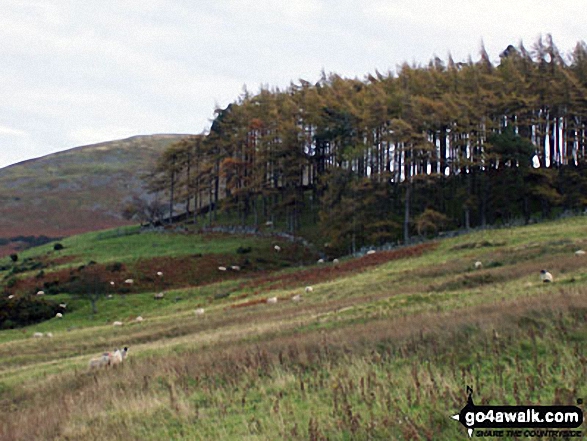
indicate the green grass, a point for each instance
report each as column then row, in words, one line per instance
column 381, row 353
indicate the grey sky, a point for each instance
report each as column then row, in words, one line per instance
column 75, row 73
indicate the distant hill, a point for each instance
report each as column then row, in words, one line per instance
column 78, row 190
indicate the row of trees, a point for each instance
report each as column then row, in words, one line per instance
column 438, row 146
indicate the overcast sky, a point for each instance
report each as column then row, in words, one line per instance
column 74, row 73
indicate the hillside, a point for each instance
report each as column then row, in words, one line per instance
column 78, row 190
column 381, row 347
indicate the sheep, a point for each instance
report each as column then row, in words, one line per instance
column 59, row 315
column 320, row 260
column 269, row 224
column 129, row 281
column 159, row 296
column 478, row 265
column 159, row 273
column 49, row 334
column 139, row 319
column 101, row 361
column 297, row 298
column 579, row 253
column 109, row 296
column 118, row 356
column 309, row 289
column 545, row 276
column 335, row 262
column 371, row 252
column 11, row 296
column 63, row 305
column 112, row 283
column 38, row 335
column 221, row 268
column 40, row 293
column 199, row 311
column 272, row 300
column 277, row 248
column 235, row 268
column 117, row 323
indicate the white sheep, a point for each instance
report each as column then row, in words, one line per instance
column 221, row 268
column 371, row 252
column 49, row 334
column 159, row 273
column 235, row 268
column 40, row 293
column 545, row 276
column 59, row 315
column 335, row 262
column 109, row 296
column 101, row 361
column 38, row 335
column 63, row 305
column 112, row 283
column 268, row 224
column 272, row 300
column 297, row 298
column 478, row 264
column 199, row 311
column 309, row 289
column 117, row 323
column 159, row 296
column 320, row 260
column 129, row 281
column 579, row 253
column 139, row 319
column 11, row 296
column 118, row 356
column 277, row 248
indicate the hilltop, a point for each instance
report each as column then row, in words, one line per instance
column 78, row 190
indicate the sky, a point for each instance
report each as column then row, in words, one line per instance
column 75, row 73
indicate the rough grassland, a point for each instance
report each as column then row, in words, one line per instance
column 384, row 351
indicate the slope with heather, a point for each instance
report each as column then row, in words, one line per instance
column 382, row 347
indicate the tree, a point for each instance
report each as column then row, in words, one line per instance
column 90, row 284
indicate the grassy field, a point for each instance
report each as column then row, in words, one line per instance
column 382, row 348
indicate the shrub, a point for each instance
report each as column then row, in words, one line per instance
column 25, row 311
column 58, row 247
column 14, row 257
column 243, row 250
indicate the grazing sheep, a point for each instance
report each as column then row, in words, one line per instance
column 371, row 252
column 277, row 248
column 268, row 224
column 139, row 319
column 545, row 276
column 40, row 293
column 59, row 315
column 235, row 268
column 309, row 289
column 272, row 300
column 478, row 265
column 117, row 324
column 221, row 268
column 579, row 253
column 49, row 334
column 11, row 296
column 109, row 296
column 118, row 356
column 159, row 273
column 101, row 361
column 63, row 305
column 335, row 262
column 320, row 260
column 129, row 281
column 37, row 334
column 199, row 311
column 159, row 296
column 297, row 298
column 112, row 283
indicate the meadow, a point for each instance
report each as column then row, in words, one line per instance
column 382, row 348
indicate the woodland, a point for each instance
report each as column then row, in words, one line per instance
column 391, row 157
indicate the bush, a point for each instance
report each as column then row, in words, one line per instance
column 25, row 311
column 14, row 257
column 243, row 250
column 58, row 247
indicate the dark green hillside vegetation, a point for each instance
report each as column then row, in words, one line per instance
column 382, row 347
column 349, row 162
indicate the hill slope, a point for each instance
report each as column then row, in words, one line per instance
column 382, row 347
column 78, row 190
